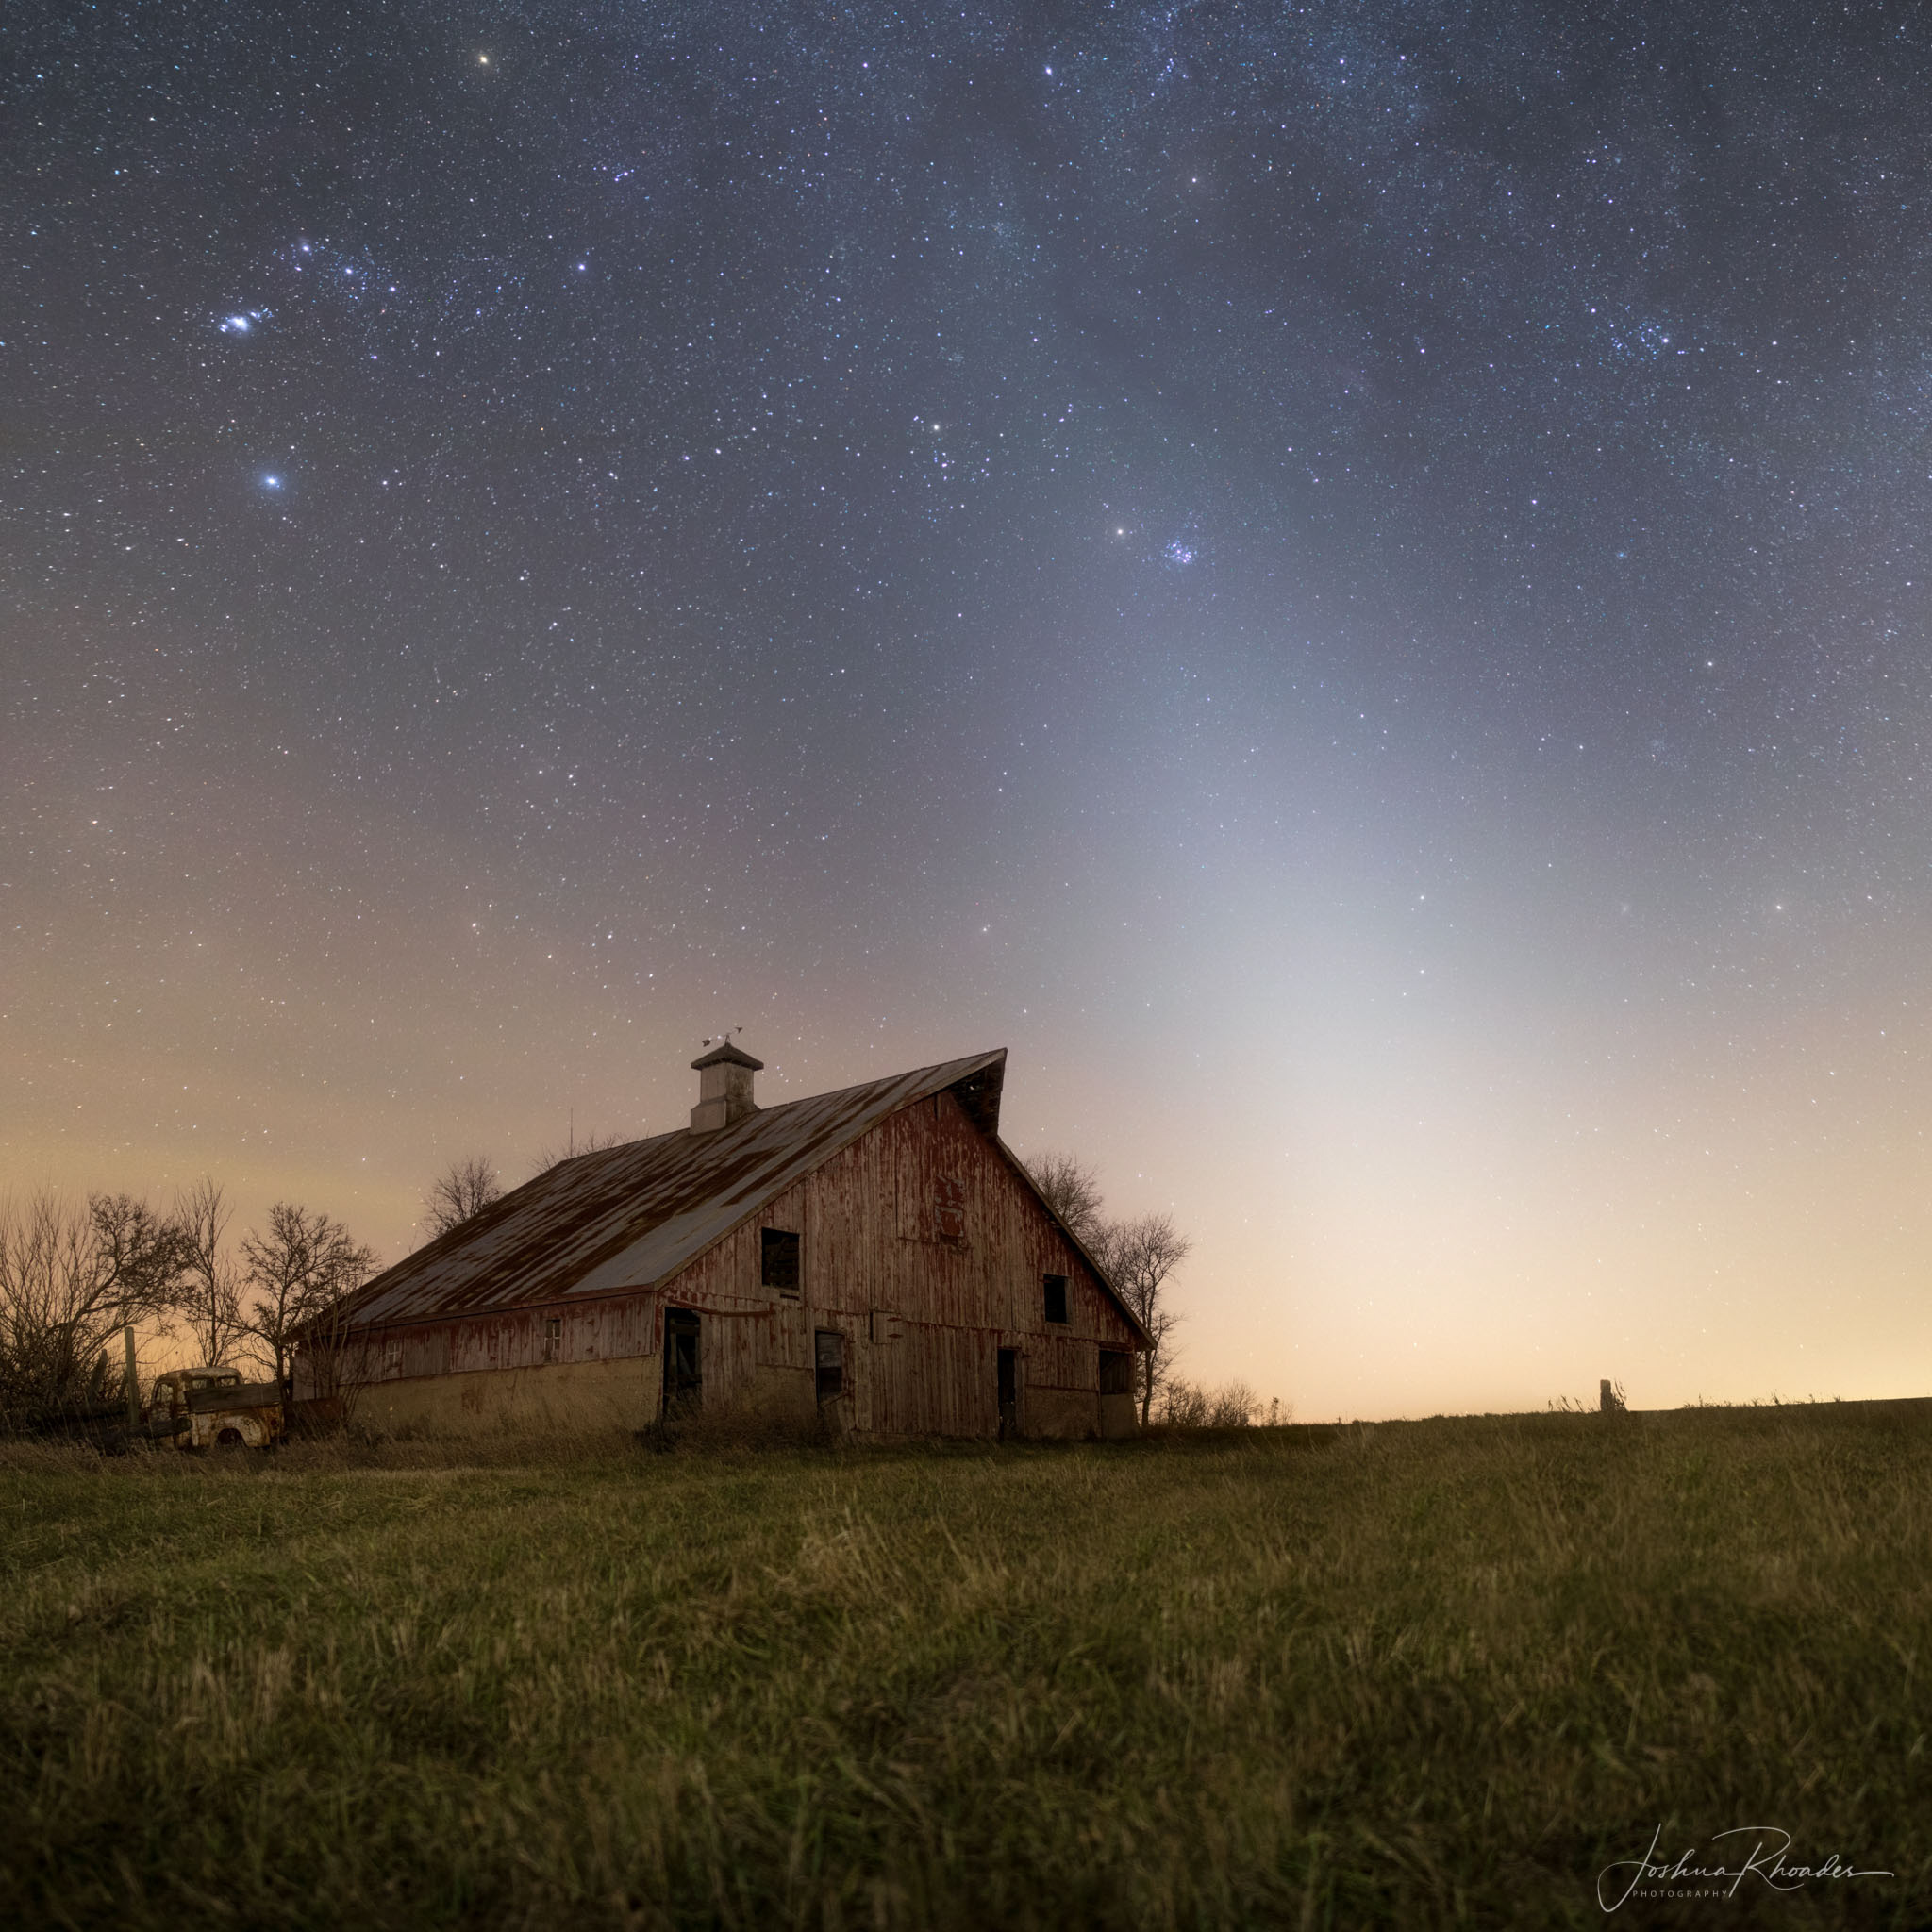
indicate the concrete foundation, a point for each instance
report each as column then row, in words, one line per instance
column 562, row 1395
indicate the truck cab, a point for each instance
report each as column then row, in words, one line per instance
column 213, row 1407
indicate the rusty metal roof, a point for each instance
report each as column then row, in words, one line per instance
column 625, row 1217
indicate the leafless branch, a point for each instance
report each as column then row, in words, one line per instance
column 1139, row 1256
column 1071, row 1186
column 300, row 1271
column 590, row 1143
column 461, row 1192
column 209, row 1294
column 68, row 1277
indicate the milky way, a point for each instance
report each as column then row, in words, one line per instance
column 1350, row 583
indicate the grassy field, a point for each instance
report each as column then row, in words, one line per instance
column 1420, row 1674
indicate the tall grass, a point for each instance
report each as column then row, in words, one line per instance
column 1424, row 1673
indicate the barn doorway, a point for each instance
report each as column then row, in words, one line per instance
column 829, row 1357
column 1009, row 1392
column 684, row 1385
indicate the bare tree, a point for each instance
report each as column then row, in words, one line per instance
column 208, row 1292
column 300, row 1269
column 135, row 1251
column 459, row 1192
column 69, row 1277
column 1183, row 1404
column 1186, row 1405
column 1233, row 1406
column 1071, row 1186
column 548, row 1157
column 1139, row 1256
column 336, row 1358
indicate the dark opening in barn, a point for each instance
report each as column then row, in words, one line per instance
column 1056, row 1296
column 831, row 1364
column 780, row 1257
column 683, row 1366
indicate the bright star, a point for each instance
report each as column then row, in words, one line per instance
column 270, row 482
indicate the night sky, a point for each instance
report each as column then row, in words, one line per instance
column 1349, row 583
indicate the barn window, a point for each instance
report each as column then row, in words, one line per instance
column 949, row 1208
column 829, row 1353
column 553, row 1338
column 1056, row 1296
column 781, row 1260
column 1116, row 1371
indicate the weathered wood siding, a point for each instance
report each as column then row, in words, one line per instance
column 919, row 1245
column 928, row 1253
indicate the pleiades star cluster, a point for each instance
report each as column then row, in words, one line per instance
column 1349, row 581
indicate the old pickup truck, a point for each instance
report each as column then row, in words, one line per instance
column 209, row 1409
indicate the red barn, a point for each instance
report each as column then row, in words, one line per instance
column 878, row 1256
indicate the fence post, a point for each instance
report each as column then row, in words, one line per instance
column 133, row 1379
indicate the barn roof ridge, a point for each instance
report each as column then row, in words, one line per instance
column 631, row 1215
